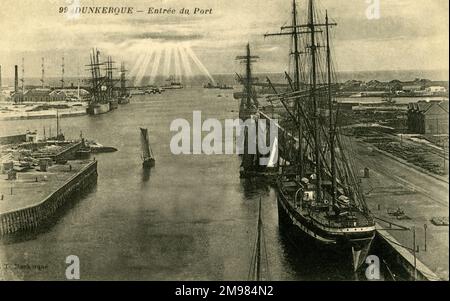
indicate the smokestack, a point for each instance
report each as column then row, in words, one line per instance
column 16, row 78
column 1, row 78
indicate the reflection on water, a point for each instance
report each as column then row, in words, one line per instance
column 146, row 172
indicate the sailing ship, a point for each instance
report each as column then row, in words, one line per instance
column 103, row 98
column 147, row 154
column 318, row 195
column 124, row 96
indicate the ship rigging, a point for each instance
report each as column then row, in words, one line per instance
column 318, row 193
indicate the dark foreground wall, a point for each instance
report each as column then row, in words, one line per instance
column 33, row 216
column 13, row 139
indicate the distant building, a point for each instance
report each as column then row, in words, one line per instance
column 436, row 89
column 58, row 95
column 32, row 95
column 412, row 88
column 395, row 85
column 48, row 95
column 375, row 85
column 69, row 94
column 428, row 118
column 17, row 96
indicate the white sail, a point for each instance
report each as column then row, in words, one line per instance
column 273, row 159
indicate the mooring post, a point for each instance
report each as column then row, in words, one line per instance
column 425, row 232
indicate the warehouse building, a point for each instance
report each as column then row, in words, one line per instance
column 428, row 118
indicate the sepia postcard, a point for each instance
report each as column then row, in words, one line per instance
column 226, row 140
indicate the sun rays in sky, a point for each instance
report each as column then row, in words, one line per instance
column 166, row 59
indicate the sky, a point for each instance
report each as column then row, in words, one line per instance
column 409, row 35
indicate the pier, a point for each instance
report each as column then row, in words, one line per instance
column 410, row 241
column 393, row 185
column 34, row 197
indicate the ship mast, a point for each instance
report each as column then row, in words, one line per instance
column 97, row 80
column 42, row 73
column 332, row 130
column 294, row 33
column 251, row 101
column 258, row 246
column 62, row 72
column 259, row 262
column 297, row 87
column 57, row 124
column 248, row 78
column 317, row 145
column 23, row 77
column 123, row 87
column 296, row 53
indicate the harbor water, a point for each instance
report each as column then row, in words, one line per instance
column 190, row 218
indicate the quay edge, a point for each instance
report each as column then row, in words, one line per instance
column 31, row 217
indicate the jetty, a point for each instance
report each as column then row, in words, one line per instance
column 37, row 178
column 34, row 197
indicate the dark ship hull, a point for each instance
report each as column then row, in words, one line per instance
column 148, row 163
column 97, row 109
column 114, row 104
column 351, row 243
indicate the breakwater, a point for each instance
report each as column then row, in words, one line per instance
column 31, row 217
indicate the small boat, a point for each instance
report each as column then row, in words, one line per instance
column 172, row 84
column 98, row 148
column 225, row 87
column 124, row 99
column 148, row 160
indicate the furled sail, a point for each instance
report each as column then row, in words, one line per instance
column 146, row 152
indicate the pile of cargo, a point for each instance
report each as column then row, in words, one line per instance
column 411, row 153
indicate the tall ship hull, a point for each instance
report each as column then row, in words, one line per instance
column 316, row 229
column 99, row 108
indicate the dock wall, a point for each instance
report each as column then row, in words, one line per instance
column 13, row 139
column 392, row 252
column 67, row 153
column 31, row 217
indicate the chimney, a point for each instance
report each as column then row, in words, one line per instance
column 1, row 78
column 16, row 79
